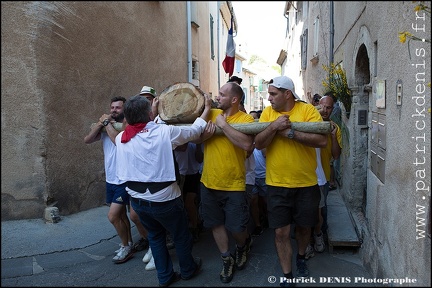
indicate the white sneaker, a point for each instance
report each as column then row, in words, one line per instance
column 150, row 265
column 309, row 253
column 123, row 255
column 120, row 244
column 118, row 250
column 319, row 243
column 148, row 256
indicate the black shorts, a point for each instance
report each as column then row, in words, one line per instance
column 229, row 208
column 293, row 205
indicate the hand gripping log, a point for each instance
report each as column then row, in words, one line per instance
column 256, row 127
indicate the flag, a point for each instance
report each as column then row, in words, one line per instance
column 228, row 62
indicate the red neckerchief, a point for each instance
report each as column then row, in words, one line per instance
column 131, row 130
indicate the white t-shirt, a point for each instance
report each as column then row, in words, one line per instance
column 148, row 157
column 109, row 150
column 319, row 170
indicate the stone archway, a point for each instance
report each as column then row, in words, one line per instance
column 355, row 156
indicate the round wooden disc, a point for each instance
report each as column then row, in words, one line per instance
column 181, row 103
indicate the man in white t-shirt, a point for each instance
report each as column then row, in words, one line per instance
column 117, row 197
column 146, row 163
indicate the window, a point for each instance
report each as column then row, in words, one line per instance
column 195, row 70
column 303, row 41
column 238, row 67
column 299, row 14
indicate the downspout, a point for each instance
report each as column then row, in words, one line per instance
column 331, row 32
column 218, row 43
column 189, row 41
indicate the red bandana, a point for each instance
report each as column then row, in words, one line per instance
column 131, row 130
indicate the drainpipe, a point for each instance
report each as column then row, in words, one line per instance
column 218, row 44
column 331, row 32
column 189, row 41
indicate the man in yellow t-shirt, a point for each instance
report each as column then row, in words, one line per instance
column 293, row 192
column 224, row 205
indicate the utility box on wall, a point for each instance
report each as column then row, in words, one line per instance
column 362, row 118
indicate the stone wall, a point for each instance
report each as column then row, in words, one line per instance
column 62, row 62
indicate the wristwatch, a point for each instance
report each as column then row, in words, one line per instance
column 291, row 134
column 105, row 122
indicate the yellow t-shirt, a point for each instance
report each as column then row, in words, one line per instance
column 289, row 163
column 224, row 163
column 326, row 154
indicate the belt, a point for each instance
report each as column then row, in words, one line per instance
column 147, row 203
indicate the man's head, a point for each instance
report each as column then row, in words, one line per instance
column 281, row 93
column 315, row 100
column 137, row 109
column 326, row 103
column 254, row 114
column 230, row 95
column 238, row 80
column 148, row 92
column 284, row 83
column 116, row 108
column 330, row 93
column 235, row 79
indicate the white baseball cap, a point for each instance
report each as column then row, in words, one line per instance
column 285, row 83
column 148, row 90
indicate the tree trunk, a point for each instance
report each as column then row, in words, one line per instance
column 256, row 127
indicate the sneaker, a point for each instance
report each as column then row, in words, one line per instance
column 227, row 272
column 197, row 271
column 302, row 270
column 120, row 244
column 174, row 278
column 147, row 257
column 141, row 245
column 169, row 242
column 150, row 265
column 123, row 255
column 309, row 253
column 319, row 243
column 257, row 231
column 241, row 254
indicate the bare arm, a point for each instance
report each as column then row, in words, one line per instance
column 154, row 108
column 208, row 132
column 265, row 137
column 335, row 149
column 210, row 127
column 112, row 132
column 307, row 139
column 95, row 132
column 238, row 138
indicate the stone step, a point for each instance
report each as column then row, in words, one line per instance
column 340, row 230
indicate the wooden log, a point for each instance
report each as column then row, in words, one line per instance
column 256, row 127
column 181, row 102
